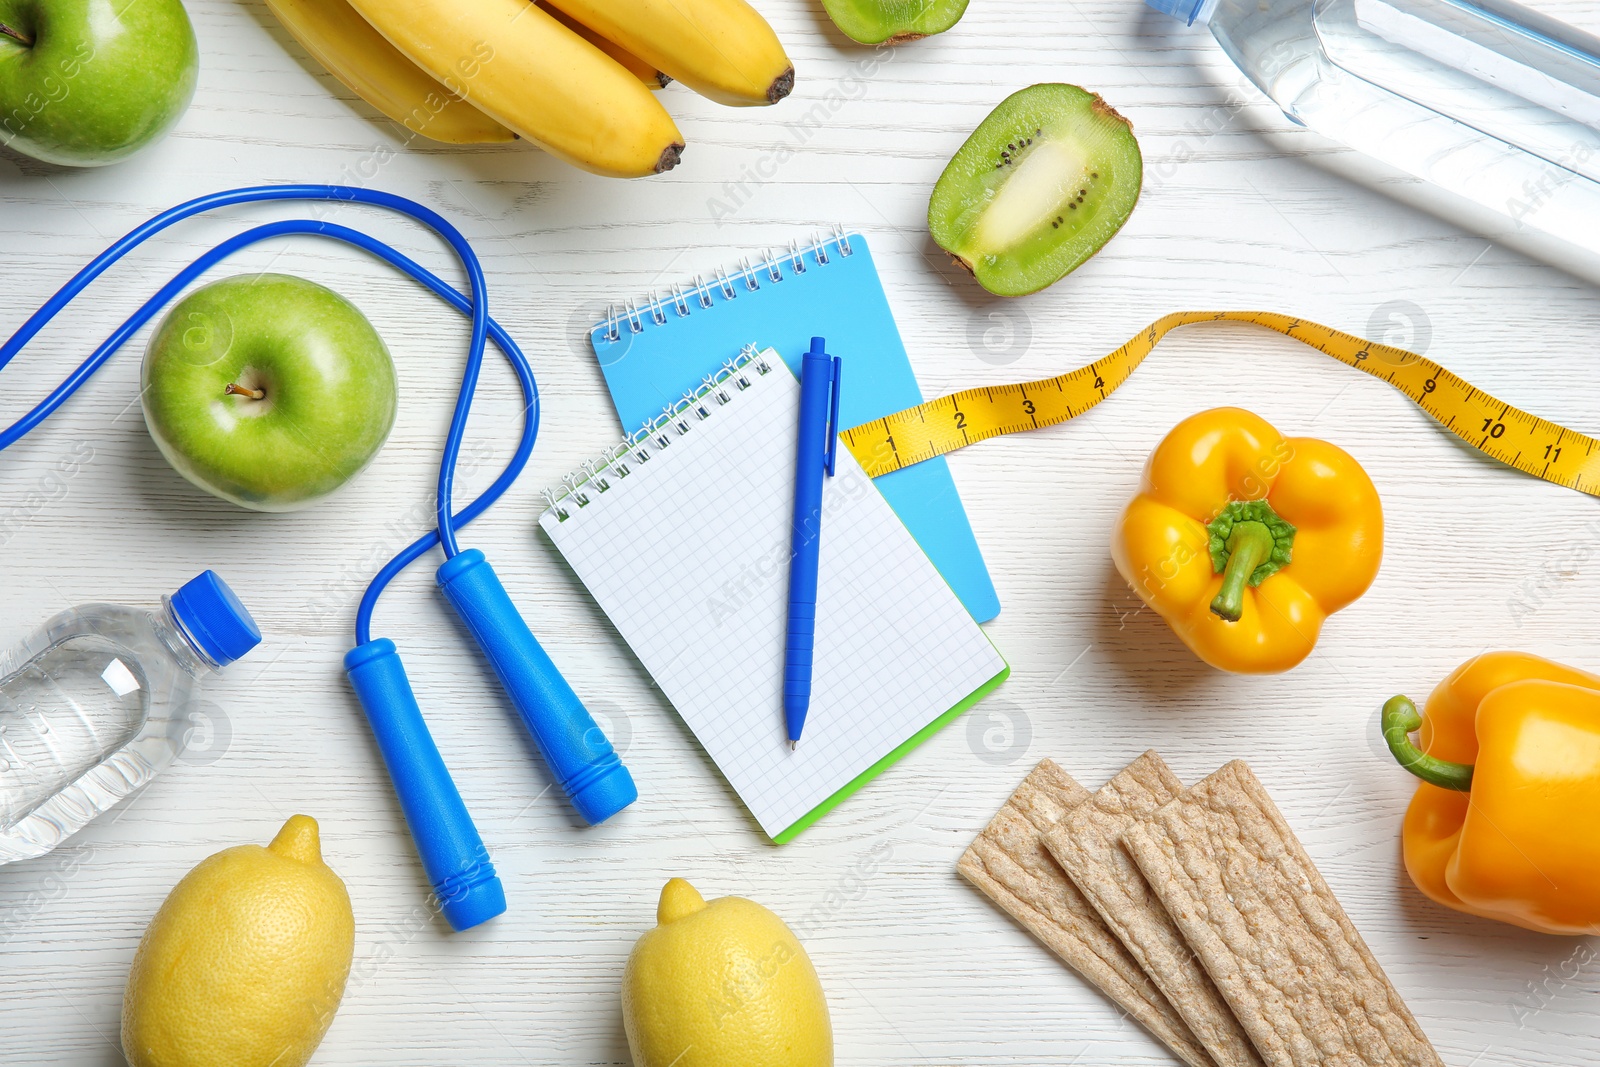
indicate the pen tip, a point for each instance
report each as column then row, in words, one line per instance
column 792, row 744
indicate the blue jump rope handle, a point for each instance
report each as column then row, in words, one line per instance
column 452, row 853
column 579, row 755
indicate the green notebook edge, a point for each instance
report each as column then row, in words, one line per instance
column 850, row 788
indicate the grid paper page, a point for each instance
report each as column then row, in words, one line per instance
column 689, row 557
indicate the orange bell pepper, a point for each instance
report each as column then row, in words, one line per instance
column 1506, row 822
column 1245, row 541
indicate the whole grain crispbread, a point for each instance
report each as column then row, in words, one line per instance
column 1008, row 863
column 1259, row 916
column 1086, row 844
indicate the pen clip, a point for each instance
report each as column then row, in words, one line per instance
column 834, row 374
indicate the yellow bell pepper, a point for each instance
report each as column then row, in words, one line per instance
column 1506, row 822
column 1245, row 541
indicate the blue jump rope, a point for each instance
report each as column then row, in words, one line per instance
column 575, row 748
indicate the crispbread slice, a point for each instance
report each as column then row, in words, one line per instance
column 1085, row 843
column 1008, row 864
column 1258, row 914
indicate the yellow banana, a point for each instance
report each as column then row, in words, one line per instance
column 652, row 78
column 519, row 65
column 372, row 68
column 723, row 49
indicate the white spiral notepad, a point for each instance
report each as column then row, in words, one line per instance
column 682, row 535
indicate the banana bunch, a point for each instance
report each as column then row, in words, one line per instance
column 572, row 76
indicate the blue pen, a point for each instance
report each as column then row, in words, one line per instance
column 819, row 445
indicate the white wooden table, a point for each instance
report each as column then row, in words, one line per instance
column 1239, row 210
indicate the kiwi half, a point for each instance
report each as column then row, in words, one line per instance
column 876, row 21
column 1040, row 186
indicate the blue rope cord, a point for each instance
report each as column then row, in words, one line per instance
column 475, row 306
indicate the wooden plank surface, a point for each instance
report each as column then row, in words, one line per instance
column 1240, row 209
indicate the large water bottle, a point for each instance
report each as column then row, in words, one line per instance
column 1493, row 102
column 97, row 701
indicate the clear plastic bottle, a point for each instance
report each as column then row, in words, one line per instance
column 1494, row 102
column 93, row 706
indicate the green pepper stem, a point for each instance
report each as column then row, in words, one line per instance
column 1400, row 720
column 1248, row 545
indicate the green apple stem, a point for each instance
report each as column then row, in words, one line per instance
column 245, row 390
column 16, row 35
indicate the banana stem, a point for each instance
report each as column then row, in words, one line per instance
column 1400, row 720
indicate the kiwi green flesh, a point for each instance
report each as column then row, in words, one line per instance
column 1040, row 186
column 876, row 21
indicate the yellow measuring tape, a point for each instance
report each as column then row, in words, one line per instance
column 1493, row 427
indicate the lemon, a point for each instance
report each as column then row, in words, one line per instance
column 245, row 962
column 723, row 984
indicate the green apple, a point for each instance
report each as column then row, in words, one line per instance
column 268, row 390
column 88, row 82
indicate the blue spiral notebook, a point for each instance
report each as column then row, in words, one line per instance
column 655, row 354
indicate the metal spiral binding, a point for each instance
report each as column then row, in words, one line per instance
column 572, row 481
column 641, row 446
column 551, row 505
column 596, row 477
column 683, row 300
column 750, row 282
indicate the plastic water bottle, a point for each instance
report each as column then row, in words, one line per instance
column 1493, row 102
column 94, row 704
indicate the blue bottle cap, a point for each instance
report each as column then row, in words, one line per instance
column 1188, row 10
column 212, row 614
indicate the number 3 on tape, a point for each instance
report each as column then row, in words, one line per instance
column 1512, row 436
